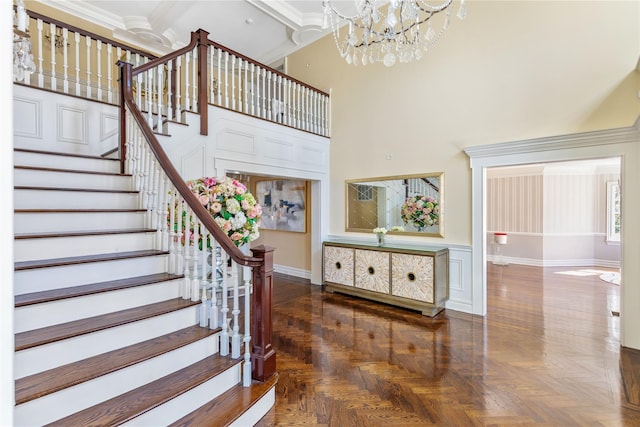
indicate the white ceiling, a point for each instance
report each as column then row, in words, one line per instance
column 264, row 30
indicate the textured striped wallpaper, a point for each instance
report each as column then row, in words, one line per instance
column 537, row 202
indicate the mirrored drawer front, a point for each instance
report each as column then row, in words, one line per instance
column 338, row 265
column 412, row 277
column 372, row 271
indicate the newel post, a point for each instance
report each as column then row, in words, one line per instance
column 263, row 357
column 203, row 99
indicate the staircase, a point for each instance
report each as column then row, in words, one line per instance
column 102, row 335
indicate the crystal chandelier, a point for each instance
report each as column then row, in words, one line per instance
column 23, row 64
column 388, row 30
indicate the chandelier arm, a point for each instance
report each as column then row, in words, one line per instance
column 426, row 7
column 359, row 15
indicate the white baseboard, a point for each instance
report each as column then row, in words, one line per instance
column 464, row 307
column 292, row 271
column 559, row 262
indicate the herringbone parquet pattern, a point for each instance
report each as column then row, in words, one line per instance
column 546, row 354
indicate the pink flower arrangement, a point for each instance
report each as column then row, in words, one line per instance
column 232, row 207
column 421, row 211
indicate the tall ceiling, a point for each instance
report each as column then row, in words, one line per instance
column 264, row 30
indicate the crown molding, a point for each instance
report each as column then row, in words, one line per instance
column 559, row 142
column 87, row 12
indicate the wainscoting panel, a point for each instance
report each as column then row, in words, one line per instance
column 109, row 128
column 277, row 149
column 460, row 297
column 233, row 140
column 27, row 115
column 71, row 131
column 72, row 125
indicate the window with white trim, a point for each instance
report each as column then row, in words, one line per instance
column 613, row 211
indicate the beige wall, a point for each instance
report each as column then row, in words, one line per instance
column 511, row 71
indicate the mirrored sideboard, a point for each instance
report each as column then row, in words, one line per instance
column 412, row 278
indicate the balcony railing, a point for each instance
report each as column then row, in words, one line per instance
column 77, row 62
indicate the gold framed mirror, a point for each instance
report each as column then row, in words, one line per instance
column 405, row 204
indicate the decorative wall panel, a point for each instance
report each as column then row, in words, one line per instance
column 338, row 265
column 277, row 149
column 109, row 126
column 235, row 141
column 372, row 271
column 28, row 113
column 72, row 125
column 412, row 277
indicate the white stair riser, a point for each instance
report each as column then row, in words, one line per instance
column 187, row 402
column 60, row 199
column 257, row 411
column 29, row 177
column 67, row 162
column 68, row 401
column 40, row 222
column 53, row 313
column 58, row 247
column 48, row 356
column 44, row 279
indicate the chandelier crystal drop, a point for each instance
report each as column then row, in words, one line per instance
column 388, row 31
column 23, row 64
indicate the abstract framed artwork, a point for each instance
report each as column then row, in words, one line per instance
column 284, row 204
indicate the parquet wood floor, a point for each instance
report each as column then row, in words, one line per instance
column 546, row 354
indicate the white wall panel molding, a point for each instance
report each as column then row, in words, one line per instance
column 72, row 124
column 278, row 149
column 73, row 128
column 27, row 113
column 109, row 129
column 315, row 157
column 193, row 164
column 235, row 141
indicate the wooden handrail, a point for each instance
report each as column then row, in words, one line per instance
column 168, row 57
column 263, row 356
column 57, row 23
column 203, row 215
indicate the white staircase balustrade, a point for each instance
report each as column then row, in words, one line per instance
column 178, row 229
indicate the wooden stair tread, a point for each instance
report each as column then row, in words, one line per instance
column 83, row 171
column 47, row 234
column 56, row 379
column 129, row 405
column 114, row 256
column 49, row 334
column 57, row 153
column 229, row 406
column 85, row 190
column 90, row 289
